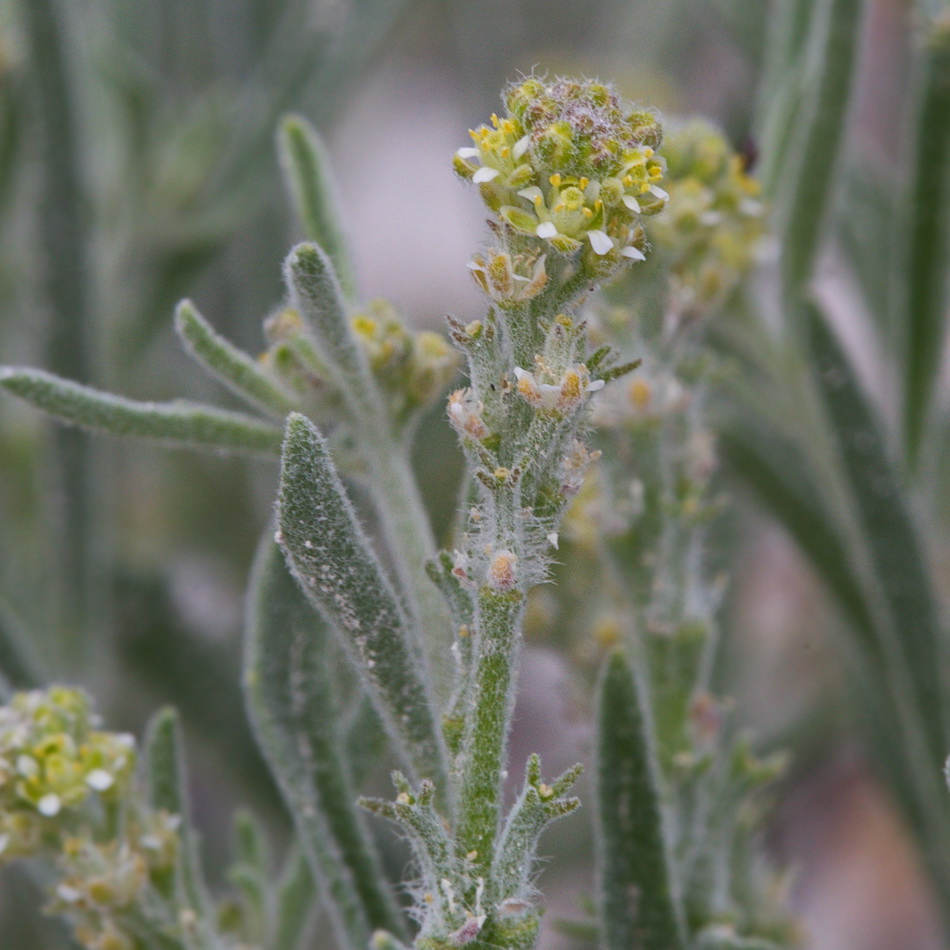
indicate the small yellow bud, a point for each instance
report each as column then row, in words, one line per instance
column 640, row 393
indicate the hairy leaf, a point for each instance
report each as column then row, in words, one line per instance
column 241, row 374
column 309, row 176
column 167, row 790
column 638, row 898
column 175, row 423
column 293, row 704
column 332, row 561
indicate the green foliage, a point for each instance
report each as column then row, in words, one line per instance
column 366, row 646
column 337, row 570
column 175, row 424
column 640, row 903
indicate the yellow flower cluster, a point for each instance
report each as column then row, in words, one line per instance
column 715, row 220
column 412, row 369
column 52, row 759
column 101, row 884
column 571, row 165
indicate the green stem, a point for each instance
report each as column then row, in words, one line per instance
column 485, row 741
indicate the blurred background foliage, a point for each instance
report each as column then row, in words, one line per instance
column 137, row 165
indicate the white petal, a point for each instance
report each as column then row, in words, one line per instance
column 552, row 540
column 600, row 242
column 595, row 384
column 659, row 192
column 546, row 230
column 631, row 203
column 521, row 373
column 532, row 193
column 468, row 153
column 521, row 146
column 485, row 174
column 471, row 265
column 99, row 780
column 49, row 805
column 750, row 207
column 635, row 254
column 68, row 894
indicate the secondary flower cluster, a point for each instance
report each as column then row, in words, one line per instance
column 715, row 220
column 52, row 760
column 570, row 164
column 411, row 368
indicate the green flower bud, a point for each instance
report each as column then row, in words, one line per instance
column 413, row 369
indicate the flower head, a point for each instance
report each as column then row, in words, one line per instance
column 571, row 165
column 52, row 759
column 715, row 222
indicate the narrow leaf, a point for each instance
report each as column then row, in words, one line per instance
column 167, row 790
column 175, row 423
column 778, row 474
column 20, row 661
column 808, row 191
column 293, row 703
column 241, row 374
column 926, row 270
column 331, row 559
column 315, row 291
column 310, row 178
column 296, row 902
column 889, row 531
column 638, row 899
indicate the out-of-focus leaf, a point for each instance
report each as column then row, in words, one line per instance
column 20, row 662
column 310, row 179
column 902, row 573
column 296, row 902
column 638, row 895
column 167, row 791
column 806, row 192
column 290, row 690
column 926, row 270
column 172, row 423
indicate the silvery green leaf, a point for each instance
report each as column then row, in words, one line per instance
column 167, row 791
column 20, row 662
column 337, row 569
column 171, row 423
column 924, row 270
column 241, row 374
column 309, row 175
column 293, row 703
column 315, row 292
column 295, row 905
column 808, row 192
column 537, row 807
column 639, row 903
column 913, row 642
